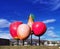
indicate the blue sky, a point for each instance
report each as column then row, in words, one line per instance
column 47, row 11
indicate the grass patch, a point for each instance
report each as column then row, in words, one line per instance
column 29, row 47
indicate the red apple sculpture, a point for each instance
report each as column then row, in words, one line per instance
column 23, row 31
column 13, row 29
column 38, row 28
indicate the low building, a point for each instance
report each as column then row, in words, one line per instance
column 4, row 42
column 51, row 43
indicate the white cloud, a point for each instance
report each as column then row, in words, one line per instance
column 56, row 7
column 40, row 1
column 4, row 31
column 35, row 37
column 46, row 2
column 35, row 1
column 51, row 27
column 49, row 21
column 43, row 37
column 4, row 23
column 50, row 32
column 5, row 36
column 54, row 4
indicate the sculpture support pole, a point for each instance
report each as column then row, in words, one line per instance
column 17, row 42
column 23, row 42
column 39, row 40
column 31, row 39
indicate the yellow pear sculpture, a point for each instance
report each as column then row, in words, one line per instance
column 30, row 21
